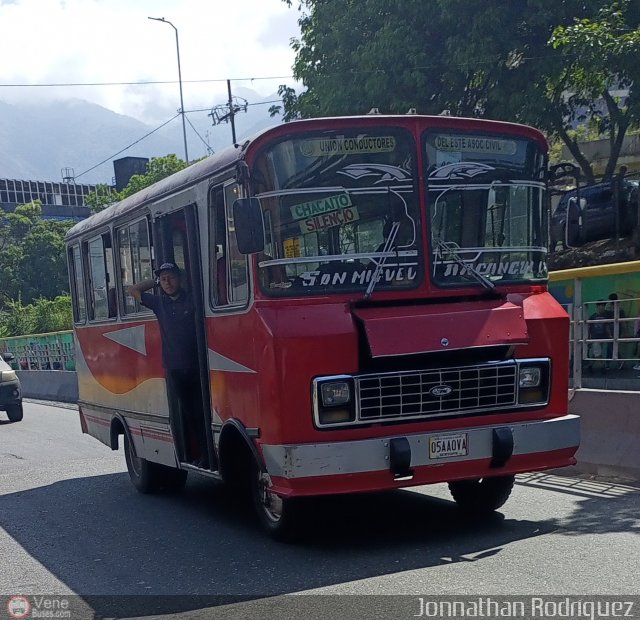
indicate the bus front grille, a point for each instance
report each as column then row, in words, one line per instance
column 438, row 392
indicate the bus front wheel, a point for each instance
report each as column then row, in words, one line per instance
column 149, row 477
column 483, row 495
column 277, row 515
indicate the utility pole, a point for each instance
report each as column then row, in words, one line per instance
column 231, row 113
column 226, row 113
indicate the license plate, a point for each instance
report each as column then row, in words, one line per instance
column 444, row 446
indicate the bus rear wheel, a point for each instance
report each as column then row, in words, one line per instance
column 278, row 516
column 483, row 495
column 149, row 477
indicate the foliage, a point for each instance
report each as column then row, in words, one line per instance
column 547, row 63
column 601, row 54
column 32, row 255
column 34, row 282
column 40, row 317
column 158, row 168
column 103, row 197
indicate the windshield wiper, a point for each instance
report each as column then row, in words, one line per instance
column 389, row 244
column 449, row 252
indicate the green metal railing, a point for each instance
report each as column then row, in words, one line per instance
column 52, row 351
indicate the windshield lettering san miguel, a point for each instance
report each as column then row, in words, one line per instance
column 343, row 212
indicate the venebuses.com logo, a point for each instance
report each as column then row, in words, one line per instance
column 18, row 607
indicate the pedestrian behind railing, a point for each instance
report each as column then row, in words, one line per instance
column 52, row 351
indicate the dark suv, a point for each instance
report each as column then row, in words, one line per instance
column 598, row 213
column 10, row 393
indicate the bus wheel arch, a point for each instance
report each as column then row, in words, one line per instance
column 118, row 427
column 146, row 477
column 242, row 466
column 236, row 453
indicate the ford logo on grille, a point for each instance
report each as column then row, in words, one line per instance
column 440, row 390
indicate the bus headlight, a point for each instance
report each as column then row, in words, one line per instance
column 8, row 375
column 533, row 382
column 335, row 393
column 334, row 400
column 530, row 376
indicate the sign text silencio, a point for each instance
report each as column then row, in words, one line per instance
column 325, row 213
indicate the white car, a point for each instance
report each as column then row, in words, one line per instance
column 10, row 392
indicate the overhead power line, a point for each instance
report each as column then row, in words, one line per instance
column 206, row 144
column 104, row 161
column 143, row 82
column 475, row 61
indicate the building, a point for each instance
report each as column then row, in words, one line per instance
column 64, row 200
column 60, row 201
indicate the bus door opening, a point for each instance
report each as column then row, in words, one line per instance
column 188, row 392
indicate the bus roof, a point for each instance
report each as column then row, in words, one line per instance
column 228, row 156
column 189, row 176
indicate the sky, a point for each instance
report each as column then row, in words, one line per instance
column 98, row 41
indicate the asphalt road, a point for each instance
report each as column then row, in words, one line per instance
column 71, row 523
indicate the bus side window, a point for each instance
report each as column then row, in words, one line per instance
column 229, row 275
column 77, row 285
column 101, row 279
column 237, row 271
column 217, row 248
column 134, row 250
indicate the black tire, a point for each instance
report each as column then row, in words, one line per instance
column 15, row 412
column 482, row 496
column 149, row 477
column 278, row 516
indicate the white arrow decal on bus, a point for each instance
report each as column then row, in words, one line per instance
column 220, row 362
column 130, row 337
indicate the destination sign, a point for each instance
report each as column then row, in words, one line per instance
column 328, row 220
column 323, row 147
column 318, row 207
column 474, row 144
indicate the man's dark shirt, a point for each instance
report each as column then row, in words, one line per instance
column 177, row 329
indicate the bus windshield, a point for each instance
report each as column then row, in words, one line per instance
column 341, row 213
column 485, row 198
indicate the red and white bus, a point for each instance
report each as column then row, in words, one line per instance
column 372, row 313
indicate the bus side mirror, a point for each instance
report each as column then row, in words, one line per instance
column 8, row 357
column 249, row 224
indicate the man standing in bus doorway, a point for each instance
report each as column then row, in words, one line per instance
column 176, row 316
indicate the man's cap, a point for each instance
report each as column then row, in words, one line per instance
column 167, row 267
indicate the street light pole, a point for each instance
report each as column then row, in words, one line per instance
column 184, row 127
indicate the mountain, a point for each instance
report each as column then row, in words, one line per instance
column 39, row 140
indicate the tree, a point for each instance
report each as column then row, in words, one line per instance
column 103, row 197
column 32, row 255
column 517, row 61
column 158, row 168
column 602, row 53
column 42, row 316
column 361, row 54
